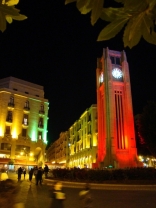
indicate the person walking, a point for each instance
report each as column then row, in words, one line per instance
column 46, row 170
column 35, row 171
column 30, row 175
column 85, row 197
column 19, row 172
column 39, row 176
column 58, row 196
column 24, row 173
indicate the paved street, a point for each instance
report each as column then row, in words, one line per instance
column 38, row 196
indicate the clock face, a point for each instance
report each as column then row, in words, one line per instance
column 117, row 73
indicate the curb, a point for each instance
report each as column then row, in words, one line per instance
column 67, row 184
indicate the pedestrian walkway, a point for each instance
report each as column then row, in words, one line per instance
column 31, row 196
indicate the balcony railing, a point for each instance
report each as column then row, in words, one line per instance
column 25, row 123
column 12, row 105
column 41, row 112
column 40, row 126
column 26, row 108
column 9, row 120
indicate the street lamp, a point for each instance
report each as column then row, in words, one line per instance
column 26, row 154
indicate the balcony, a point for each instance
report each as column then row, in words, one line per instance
column 11, row 105
column 89, row 132
column 41, row 112
column 40, row 126
column 25, row 124
column 26, row 109
column 9, row 121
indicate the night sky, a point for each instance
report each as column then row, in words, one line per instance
column 56, row 47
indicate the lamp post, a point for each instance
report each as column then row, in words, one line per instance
column 26, row 155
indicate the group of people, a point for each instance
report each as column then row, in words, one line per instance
column 21, row 171
column 58, row 196
column 36, row 171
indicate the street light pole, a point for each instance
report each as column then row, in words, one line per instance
column 26, row 155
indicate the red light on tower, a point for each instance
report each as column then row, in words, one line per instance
column 116, row 136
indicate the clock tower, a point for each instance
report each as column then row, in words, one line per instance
column 116, row 135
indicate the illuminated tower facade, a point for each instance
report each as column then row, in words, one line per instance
column 23, row 122
column 116, row 136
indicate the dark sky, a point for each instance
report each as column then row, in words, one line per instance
column 56, row 47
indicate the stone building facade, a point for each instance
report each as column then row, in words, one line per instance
column 57, row 153
column 82, row 141
column 23, row 123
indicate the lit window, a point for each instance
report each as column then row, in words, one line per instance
column 25, row 119
column 40, row 123
column 39, row 135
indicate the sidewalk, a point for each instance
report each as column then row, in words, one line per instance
column 38, row 196
column 31, row 196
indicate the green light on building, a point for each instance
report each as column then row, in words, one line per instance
column 33, row 136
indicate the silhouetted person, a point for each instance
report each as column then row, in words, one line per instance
column 24, row 172
column 19, row 172
column 46, row 170
column 39, row 176
column 35, row 171
column 85, row 197
column 30, row 175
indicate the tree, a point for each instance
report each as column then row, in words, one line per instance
column 11, row 162
column 146, row 125
column 8, row 13
column 137, row 17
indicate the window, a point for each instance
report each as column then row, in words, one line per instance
column 26, row 92
column 15, row 89
column 11, row 101
column 7, row 130
column 89, row 117
column 41, row 109
column 25, row 119
column 5, row 146
column 9, row 116
column 22, row 148
column 39, row 135
column 112, row 59
column 40, row 123
column 24, row 132
column 90, row 142
column 26, row 105
column 115, row 60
